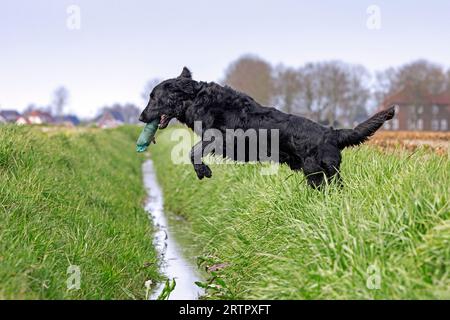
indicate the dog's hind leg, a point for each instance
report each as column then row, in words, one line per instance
column 196, row 154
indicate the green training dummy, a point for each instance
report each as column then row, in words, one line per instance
column 147, row 136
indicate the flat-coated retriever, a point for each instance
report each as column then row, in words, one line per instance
column 302, row 144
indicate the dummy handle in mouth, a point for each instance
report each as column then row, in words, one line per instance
column 147, row 135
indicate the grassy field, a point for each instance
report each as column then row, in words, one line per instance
column 72, row 198
column 385, row 235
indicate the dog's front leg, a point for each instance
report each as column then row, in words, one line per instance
column 196, row 154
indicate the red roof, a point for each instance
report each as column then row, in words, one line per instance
column 443, row 98
column 403, row 97
column 38, row 113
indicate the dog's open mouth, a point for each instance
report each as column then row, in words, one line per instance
column 164, row 121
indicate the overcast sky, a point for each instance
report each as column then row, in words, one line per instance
column 122, row 44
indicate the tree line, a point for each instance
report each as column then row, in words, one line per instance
column 333, row 92
column 330, row 92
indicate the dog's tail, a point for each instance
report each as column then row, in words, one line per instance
column 362, row 132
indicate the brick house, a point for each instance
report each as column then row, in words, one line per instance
column 432, row 113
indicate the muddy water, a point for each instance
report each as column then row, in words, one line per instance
column 174, row 254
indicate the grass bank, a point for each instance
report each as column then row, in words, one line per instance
column 72, row 198
column 385, row 235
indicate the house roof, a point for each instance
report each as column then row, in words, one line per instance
column 398, row 97
column 38, row 113
column 403, row 97
column 10, row 115
column 115, row 115
column 68, row 118
column 443, row 98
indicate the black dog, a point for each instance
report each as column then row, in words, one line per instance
column 303, row 144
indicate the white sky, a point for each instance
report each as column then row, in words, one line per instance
column 122, row 44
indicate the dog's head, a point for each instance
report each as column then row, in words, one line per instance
column 322, row 161
column 169, row 99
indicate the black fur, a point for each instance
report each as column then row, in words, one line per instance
column 303, row 144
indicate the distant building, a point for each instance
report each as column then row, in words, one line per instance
column 110, row 119
column 432, row 114
column 22, row 121
column 67, row 120
column 9, row 116
column 39, row 117
column 2, row 120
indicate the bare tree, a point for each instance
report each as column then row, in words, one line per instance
column 336, row 84
column 31, row 107
column 333, row 90
column 417, row 80
column 383, row 85
column 287, row 89
column 60, row 98
column 310, row 93
column 252, row 76
column 447, row 82
column 130, row 113
column 358, row 93
column 422, row 77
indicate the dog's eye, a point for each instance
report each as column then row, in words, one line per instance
column 152, row 95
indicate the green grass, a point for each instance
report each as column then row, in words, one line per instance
column 72, row 198
column 283, row 240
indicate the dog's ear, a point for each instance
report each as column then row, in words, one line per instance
column 186, row 74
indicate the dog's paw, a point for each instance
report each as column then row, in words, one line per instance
column 202, row 171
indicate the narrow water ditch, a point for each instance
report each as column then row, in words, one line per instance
column 176, row 255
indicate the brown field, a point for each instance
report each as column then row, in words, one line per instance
column 438, row 142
